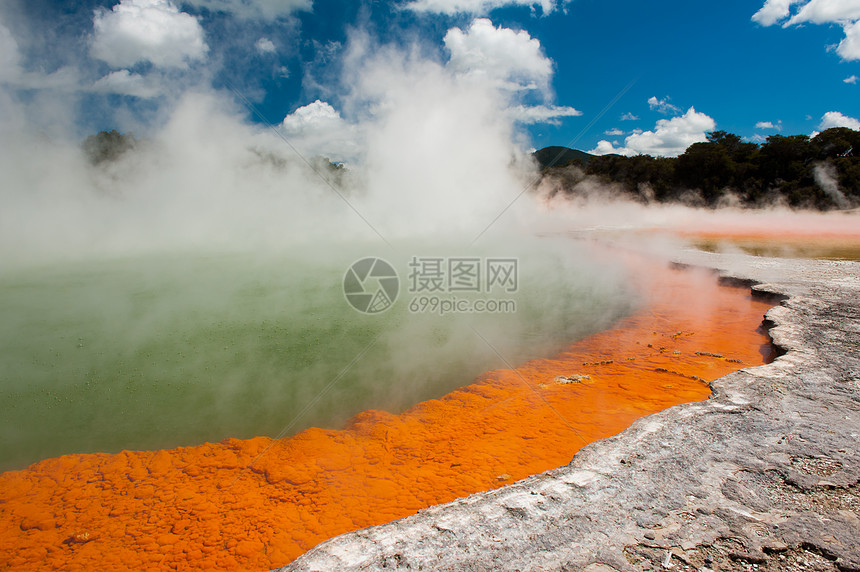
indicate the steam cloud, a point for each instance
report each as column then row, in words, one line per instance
column 218, row 245
column 827, row 178
column 432, row 143
column 435, row 156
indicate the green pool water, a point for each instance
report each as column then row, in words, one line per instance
column 151, row 351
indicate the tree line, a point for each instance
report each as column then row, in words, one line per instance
column 821, row 172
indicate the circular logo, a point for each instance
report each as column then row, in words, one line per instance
column 371, row 285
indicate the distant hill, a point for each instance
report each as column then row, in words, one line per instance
column 558, row 156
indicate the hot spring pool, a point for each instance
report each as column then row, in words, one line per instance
column 156, row 351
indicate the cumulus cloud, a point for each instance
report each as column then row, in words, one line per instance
column 476, row 7
column 629, row 117
column 849, row 48
column 614, row 132
column 319, row 129
column 254, row 9
column 851, row 79
column 843, row 12
column 663, row 106
column 126, row 83
column 316, row 114
column 155, row 31
column 773, row 11
column 542, row 113
column 836, row 119
column 826, row 12
column 500, row 54
column 769, row 125
column 605, row 147
column 670, row 137
column 265, row 46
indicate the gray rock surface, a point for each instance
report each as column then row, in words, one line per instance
column 763, row 476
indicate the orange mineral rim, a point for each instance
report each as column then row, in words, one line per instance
column 259, row 503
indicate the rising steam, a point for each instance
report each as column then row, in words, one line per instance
column 189, row 288
column 203, row 265
column 827, row 178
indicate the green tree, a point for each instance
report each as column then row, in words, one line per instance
column 837, row 142
column 783, row 167
column 785, row 158
column 107, row 146
column 739, row 150
column 707, row 167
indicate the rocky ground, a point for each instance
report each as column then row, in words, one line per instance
column 763, row 476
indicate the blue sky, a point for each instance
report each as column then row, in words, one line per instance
column 598, row 75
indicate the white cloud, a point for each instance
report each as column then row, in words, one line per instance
column 154, row 31
column 311, row 116
column 836, row 119
column 843, row 12
column 265, row 46
column 670, row 137
column 254, row 9
column 849, row 48
column 9, row 56
column 607, row 148
column 319, row 129
column 629, row 117
column 663, row 106
column 476, row 7
column 126, row 83
column 542, row 113
column 826, row 12
column 852, row 79
column 773, row 11
column 614, row 132
column 769, row 125
column 69, row 78
column 11, row 72
column 503, row 55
